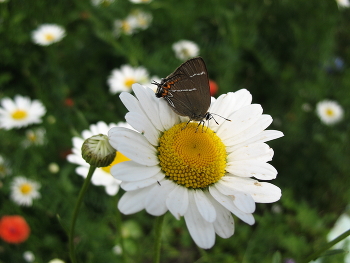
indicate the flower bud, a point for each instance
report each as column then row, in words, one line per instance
column 97, row 151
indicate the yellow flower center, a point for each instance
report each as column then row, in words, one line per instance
column 25, row 189
column 330, row 112
column 126, row 27
column 19, row 114
column 49, row 37
column 119, row 158
column 129, row 81
column 190, row 157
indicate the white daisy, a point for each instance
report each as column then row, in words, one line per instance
column 127, row 26
column 48, row 34
column 204, row 175
column 34, row 137
column 102, row 176
column 185, row 49
column 343, row 3
column 24, row 191
column 4, row 167
column 143, row 19
column 330, row 112
column 56, row 260
column 123, row 78
column 20, row 112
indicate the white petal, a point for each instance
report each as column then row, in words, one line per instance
column 133, row 201
column 240, row 121
column 177, row 201
column 258, row 151
column 131, row 186
column 261, row 124
column 264, row 136
column 201, row 231
column 149, row 104
column 261, row 192
column 228, row 103
column 242, row 200
column 224, row 225
column 144, row 126
column 204, row 206
column 133, row 145
column 131, row 103
column 130, row 171
column 167, row 116
column 227, row 202
column 252, row 168
column 155, row 200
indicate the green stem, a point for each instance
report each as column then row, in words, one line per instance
column 327, row 246
column 158, row 237
column 76, row 210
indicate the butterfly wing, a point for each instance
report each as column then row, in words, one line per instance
column 190, row 92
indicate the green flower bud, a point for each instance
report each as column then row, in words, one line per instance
column 97, row 151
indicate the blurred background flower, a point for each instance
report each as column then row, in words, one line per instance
column 24, row 191
column 20, row 112
column 330, row 112
column 14, row 229
column 185, row 49
column 48, row 34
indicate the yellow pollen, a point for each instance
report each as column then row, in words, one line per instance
column 329, row 112
column 129, row 81
column 25, row 189
column 119, row 158
column 19, row 114
column 49, row 37
column 194, row 159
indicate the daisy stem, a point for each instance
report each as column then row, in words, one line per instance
column 158, row 237
column 76, row 210
column 324, row 248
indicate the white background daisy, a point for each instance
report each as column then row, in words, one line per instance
column 330, row 112
column 343, row 3
column 24, row 191
column 20, row 112
column 28, row 256
column 101, row 175
column 203, row 176
column 140, row 1
column 185, row 49
column 48, row 34
column 123, row 78
column 34, row 137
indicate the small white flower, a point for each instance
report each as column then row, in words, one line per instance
column 102, row 176
column 48, row 34
column 127, row 26
column 20, row 112
column 343, row 3
column 123, row 78
column 143, row 19
column 330, row 112
column 28, row 256
column 4, row 167
column 24, row 191
column 35, row 137
column 102, row 2
column 203, row 176
column 140, row 1
column 185, row 49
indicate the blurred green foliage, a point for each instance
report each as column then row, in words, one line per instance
column 282, row 51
